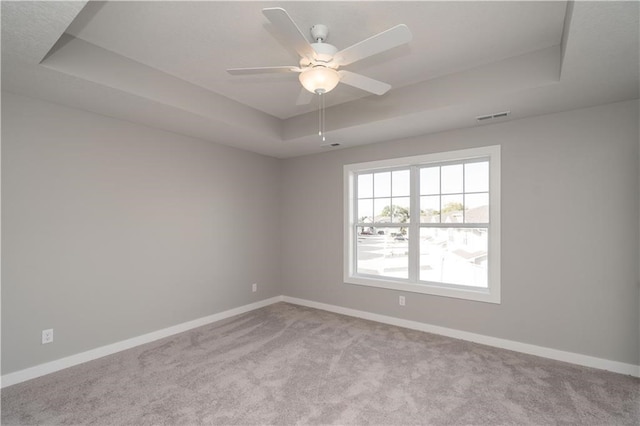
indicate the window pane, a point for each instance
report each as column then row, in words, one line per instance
column 430, row 180
column 382, row 184
column 383, row 252
column 476, row 177
column 451, row 209
column 400, row 183
column 452, row 179
column 365, row 186
column 454, row 256
column 382, row 210
column 401, row 209
column 365, row 211
column 476, row 208
column 430, row 209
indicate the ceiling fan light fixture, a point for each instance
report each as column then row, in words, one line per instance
column 319, row 79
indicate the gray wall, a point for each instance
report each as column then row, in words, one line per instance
column 111, row 230
column 569, row 232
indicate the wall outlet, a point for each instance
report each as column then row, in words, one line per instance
column 254, row 287
column 401, row 300
column 47, row 336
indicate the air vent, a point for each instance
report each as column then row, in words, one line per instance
column 331, row 145
column 493, row 116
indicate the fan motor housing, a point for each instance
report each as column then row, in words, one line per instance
column 324, row 54
column 324, row 51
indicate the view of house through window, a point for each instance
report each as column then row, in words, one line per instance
column 455, row 196
column 427, row 224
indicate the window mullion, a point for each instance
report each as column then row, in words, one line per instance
column 354, row 235
column 414, row 223
column 464, row 197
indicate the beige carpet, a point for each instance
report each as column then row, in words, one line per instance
column 286, row 364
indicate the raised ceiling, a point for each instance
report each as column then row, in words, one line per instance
column 163, row 64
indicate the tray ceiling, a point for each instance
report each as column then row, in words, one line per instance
column 163, row 64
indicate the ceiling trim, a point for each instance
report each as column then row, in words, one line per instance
column 527, row 71
column 81, row 59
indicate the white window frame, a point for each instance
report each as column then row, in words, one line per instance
column 491, row 294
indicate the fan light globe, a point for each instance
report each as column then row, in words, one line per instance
column 319, row 79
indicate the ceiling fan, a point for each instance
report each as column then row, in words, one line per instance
column 319, row 63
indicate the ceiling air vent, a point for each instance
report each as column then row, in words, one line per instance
column 492, row 116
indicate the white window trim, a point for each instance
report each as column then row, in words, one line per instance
column 492, row 293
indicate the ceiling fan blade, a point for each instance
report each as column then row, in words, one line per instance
column 281, row 19
column 378, row 43
column 263, row 70
column 365, row 83
column 305, row 97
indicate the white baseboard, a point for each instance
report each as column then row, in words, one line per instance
column 558, row 355
column 70, row 361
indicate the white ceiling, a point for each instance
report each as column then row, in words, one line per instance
column 163, row 64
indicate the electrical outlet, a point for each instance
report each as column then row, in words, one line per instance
column 254, row 287
column 47, row 336
column 401, row 300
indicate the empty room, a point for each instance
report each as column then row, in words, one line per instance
column 320, row 212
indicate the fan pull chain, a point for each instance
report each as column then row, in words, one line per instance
column 321, row 115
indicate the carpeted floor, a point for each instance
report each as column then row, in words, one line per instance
column 286, row 364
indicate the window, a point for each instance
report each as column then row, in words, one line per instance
column 427, row 224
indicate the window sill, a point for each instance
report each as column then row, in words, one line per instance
column 479, row 294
